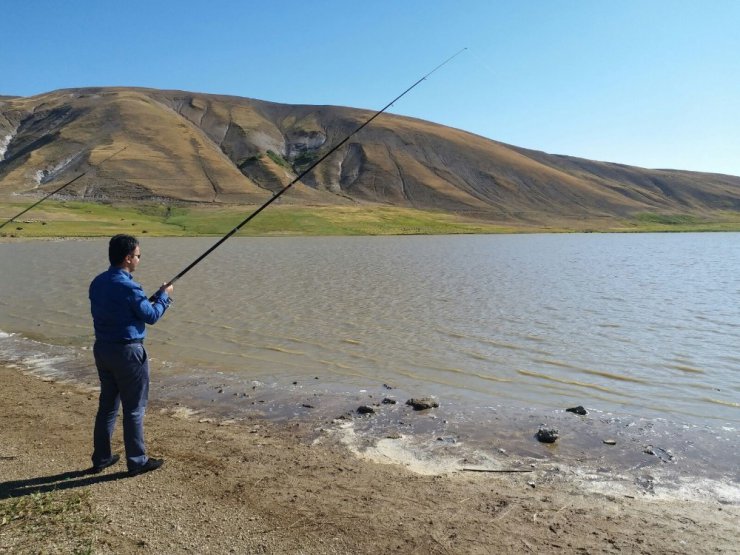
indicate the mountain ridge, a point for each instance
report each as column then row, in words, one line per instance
column 144, row 144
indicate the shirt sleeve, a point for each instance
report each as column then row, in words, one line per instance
column 150, row 312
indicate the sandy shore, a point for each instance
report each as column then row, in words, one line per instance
column 257, row 487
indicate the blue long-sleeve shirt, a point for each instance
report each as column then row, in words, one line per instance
column 120, row 308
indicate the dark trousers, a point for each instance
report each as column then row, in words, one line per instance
column 124, row 380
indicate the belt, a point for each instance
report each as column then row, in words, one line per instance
column 121, row 342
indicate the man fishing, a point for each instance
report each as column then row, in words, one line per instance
column 120, row 312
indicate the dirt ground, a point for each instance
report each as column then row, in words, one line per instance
column 257, row 487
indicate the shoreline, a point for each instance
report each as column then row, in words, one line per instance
column 655, row 455
column 257, row 486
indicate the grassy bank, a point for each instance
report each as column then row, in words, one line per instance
column 82, row 219
column 86, row 219
column 719, row 221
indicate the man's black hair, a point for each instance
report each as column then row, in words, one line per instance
column 120, row 247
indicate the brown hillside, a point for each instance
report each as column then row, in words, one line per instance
column 208, row 148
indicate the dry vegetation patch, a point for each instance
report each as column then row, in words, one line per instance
column 48, row 522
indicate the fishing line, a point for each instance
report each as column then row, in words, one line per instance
column 302, row 175
column 55, row 191
column 483, row 63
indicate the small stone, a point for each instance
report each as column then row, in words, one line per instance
column 547, row 435
column 447, row 439
column 577, row 410
column 364, row 409
column 388, row 401
column 531, row 484
column 423, row 404
column 610, row 441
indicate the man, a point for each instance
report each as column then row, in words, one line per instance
column 120, row 312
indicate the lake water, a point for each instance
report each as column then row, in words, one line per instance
column 641, row 326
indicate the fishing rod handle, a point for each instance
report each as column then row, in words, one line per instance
column 164, row 287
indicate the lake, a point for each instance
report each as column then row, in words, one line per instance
column 635, row 325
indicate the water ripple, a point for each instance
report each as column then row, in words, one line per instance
column 615, row 316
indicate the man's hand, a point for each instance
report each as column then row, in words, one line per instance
column 167, row 289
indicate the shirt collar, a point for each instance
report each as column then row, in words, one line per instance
column 116, row 269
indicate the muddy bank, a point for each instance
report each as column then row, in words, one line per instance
column 651, row 454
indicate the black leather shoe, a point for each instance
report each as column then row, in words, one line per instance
column 148, row 466
column 98, row 468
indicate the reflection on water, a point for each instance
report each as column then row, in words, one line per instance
column 641, row 324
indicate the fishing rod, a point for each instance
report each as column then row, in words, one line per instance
column 55, row 191
column 301, row 176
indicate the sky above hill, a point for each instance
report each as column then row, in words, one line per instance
column 652, row 83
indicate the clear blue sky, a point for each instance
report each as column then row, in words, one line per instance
column 652, row 83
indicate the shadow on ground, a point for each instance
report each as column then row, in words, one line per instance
column 65, row 480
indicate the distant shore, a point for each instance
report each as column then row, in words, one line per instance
column 254, row 486
column 77, row 219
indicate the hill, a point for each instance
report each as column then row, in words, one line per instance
column 144, row 144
